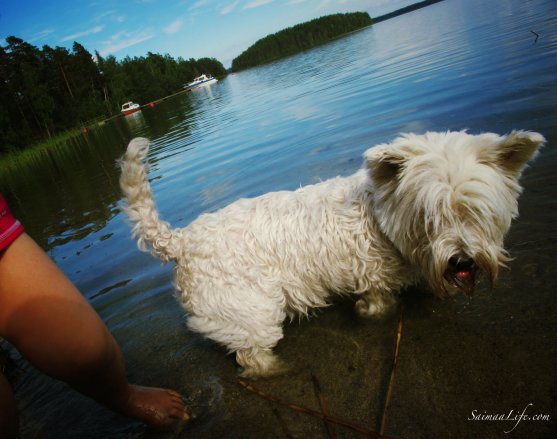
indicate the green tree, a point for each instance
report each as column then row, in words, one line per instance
column 85, row 78
column 24, row 82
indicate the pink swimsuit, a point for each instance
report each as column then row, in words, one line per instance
column 10, row 228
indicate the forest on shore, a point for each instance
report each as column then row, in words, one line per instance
column 47, row 91
column 300, row 37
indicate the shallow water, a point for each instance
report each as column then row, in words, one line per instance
column 454, row 65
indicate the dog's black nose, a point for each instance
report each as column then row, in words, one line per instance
column 461, row 263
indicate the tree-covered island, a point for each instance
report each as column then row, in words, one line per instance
column 299, row 38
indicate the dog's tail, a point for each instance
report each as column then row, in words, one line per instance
column 150, row 232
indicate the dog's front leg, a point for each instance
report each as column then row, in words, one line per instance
column 375, row 303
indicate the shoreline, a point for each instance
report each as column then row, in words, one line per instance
column 18, row 155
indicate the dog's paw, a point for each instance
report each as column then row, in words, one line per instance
column 262, row 364
column 278, row 368
column 367, row 309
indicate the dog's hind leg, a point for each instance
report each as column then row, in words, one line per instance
column 250, row 334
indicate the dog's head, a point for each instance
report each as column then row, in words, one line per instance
column 446, row 201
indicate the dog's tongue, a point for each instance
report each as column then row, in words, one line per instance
column 464, row 275
column 465, row 278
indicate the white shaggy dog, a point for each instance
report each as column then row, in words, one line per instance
column 431, row 207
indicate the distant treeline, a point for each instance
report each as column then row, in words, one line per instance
column 47, row 91
column 405, row 10
column 300, row 37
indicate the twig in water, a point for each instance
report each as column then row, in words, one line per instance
column 323, row 404
column 298, row 408
column 537, row 36
column 387, row 405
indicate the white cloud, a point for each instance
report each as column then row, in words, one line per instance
column 123, row 40
column 40, row 35
column 112, row 15
column 256, row 4
column 197, row 4
column 174, row 27
column 93, row 30
column 225, row 10
column 100, row 16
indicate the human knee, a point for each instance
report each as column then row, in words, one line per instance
column 77, row 358
column 96, row 352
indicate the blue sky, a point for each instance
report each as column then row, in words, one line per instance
column 219, row 29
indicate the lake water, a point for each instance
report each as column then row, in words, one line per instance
column 453, row 65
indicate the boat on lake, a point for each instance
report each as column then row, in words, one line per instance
column 130, row 107
column 200, row 81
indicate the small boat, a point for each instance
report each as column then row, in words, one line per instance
column 130, row 107
column 200, row 81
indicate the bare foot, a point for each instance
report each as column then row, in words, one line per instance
column 159, row 408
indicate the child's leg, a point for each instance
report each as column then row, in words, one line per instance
column 52, row 325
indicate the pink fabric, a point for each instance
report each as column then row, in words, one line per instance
column 10, row 228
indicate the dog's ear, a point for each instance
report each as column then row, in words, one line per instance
column 516, row 150
column 384, row 163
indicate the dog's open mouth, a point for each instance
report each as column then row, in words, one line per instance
column 461, row 273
